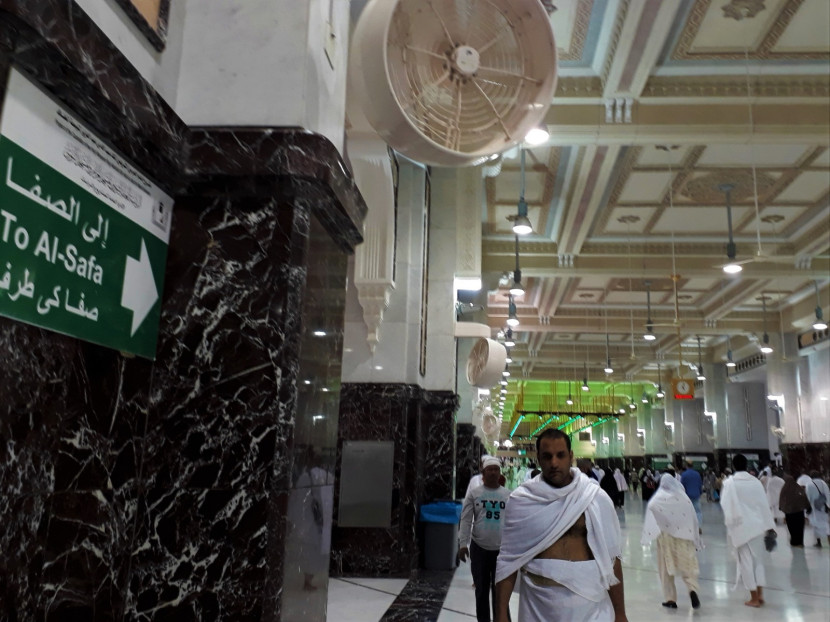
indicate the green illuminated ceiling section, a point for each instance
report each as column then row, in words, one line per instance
column 546, row 404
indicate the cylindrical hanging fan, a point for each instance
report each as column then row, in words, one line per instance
column 450, row 82
column 486, row 363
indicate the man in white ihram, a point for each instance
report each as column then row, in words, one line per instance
column 562, row 535
column 748, row 518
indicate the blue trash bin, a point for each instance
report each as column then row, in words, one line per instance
column 440, row 534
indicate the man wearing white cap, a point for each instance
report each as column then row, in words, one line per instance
column 482, row 517
column 476, row 480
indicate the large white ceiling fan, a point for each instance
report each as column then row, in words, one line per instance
column 451, row 82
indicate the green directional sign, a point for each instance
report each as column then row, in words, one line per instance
column 83, row 235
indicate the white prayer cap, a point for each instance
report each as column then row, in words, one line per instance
column 490, row 461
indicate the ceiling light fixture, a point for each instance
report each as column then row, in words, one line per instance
column 512, row 320
column 508, row 338
column 538, row 134
column 700, row 374
column 644, row 399
column 733, row 267
column 506, row 371
column 585, row 386
column 649, row 334
column 516, row 289
column 608, row 368
column 729, row 361
column 521, row 223
column 819, row 324
column 766, row 348
column 659, row 395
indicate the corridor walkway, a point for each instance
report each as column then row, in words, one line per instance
column 798, row 584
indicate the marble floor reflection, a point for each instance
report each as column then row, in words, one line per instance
column 798, row 583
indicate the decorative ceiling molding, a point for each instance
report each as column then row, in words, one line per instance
column 622, row 12
column 529, row 247
column 579, row 32
column 705, row 189
column 682, row 50
column 735, row 86
column 578, row 86
column 743, row 9
column 637, row 249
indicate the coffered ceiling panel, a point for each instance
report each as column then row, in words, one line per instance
column 648, row 187
column 629, row 220
column 510, row 184
column 593, row 282
column 720, row 32
column 697, row 220
column 599, row 193
column 626, row 297
column 747, row 155
column 774, row 220
column 809, row 186
column 701, row 284
column 652, row 156
column 584, row 296
column 803, row 33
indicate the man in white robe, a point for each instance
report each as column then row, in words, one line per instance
column 819, row 496
column 774, row 486
column 748, row 518
column 562, row 535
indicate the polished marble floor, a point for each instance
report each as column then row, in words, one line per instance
column 798, row 583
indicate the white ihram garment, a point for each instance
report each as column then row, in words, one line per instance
column 818, row 518
column 538, row 515
column 774, row 486
column 747, row 517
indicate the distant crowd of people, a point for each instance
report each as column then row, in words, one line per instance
column 558, row 534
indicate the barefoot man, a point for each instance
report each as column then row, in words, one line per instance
column 748, row 518
column 561, row 540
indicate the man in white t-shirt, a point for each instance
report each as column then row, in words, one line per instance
column 482, row 517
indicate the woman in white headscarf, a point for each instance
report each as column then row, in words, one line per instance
column 671, row 520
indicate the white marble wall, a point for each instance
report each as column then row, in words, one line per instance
column 244, row 62
column 397, row 354
column 160, row 69
column 816, row 397
column 263, row 62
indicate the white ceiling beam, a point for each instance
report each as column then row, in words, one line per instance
column 647, row 25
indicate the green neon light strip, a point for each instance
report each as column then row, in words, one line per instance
column 592, row 425
column 544, row 424
column 515, row 427
column 569, row 421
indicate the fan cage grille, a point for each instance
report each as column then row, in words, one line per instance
column 478, row 114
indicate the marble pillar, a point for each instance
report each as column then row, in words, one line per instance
column 174, row 489
column 468, row 451
column 421, row 424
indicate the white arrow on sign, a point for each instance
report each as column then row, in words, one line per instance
column 139, row 292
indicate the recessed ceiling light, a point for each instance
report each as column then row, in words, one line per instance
column 319, row 333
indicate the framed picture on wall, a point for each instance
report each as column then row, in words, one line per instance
column 151, row 18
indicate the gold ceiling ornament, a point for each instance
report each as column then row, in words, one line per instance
column 740, row 9
column 704, row 189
